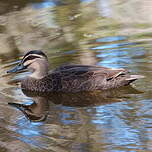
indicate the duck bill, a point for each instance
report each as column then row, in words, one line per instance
column 17, row 68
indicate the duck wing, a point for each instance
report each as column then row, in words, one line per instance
column 87, row 69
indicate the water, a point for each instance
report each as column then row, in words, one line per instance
column 100, row 32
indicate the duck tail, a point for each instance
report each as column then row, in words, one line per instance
column 134, row 77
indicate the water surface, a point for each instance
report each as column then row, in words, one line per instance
column 99, row 32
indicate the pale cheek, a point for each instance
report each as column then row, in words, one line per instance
column 34, row 67
column 27, row 63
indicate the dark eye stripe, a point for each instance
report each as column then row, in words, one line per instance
column 30, row 58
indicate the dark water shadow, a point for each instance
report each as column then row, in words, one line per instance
column 39, row 109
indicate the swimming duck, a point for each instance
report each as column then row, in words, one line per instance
column 69, row 78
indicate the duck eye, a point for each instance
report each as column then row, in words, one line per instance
column 32, row 57
column 19, row 64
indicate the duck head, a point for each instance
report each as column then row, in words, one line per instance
column 35, row 61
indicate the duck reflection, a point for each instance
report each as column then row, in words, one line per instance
column 39, row 109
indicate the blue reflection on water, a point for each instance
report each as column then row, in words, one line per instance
column 116, row 127
column 44, row 4
column 66, row 119
column 67, row 115
column 115, row 58
column 52, row 3
column 111, row 39
column 29, row 131
column 116, row 55
column 121, row 57
column 115, row 45
column 32, row 132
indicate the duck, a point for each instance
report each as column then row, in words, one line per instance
column 69, row 78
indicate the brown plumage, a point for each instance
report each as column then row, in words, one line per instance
column 70, row 78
